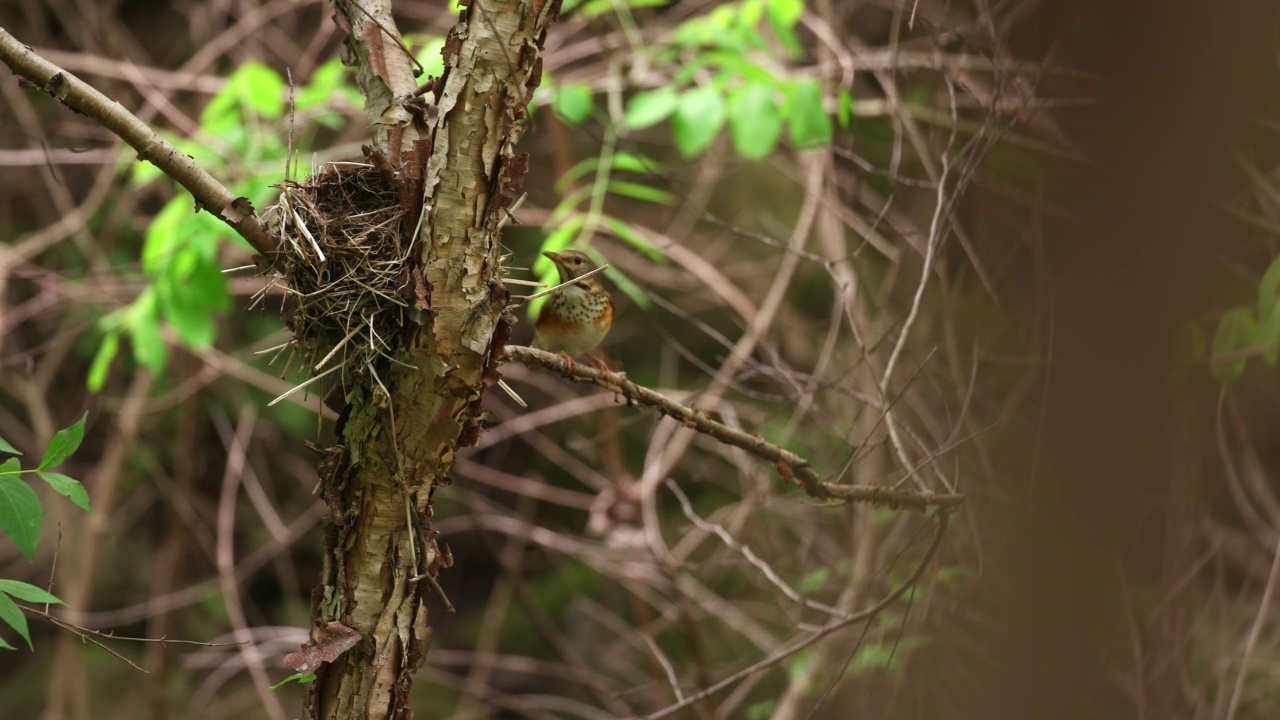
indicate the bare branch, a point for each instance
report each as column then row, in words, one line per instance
column 788, row 463
column 79, row 96
column 92, row 636
column 825, row 630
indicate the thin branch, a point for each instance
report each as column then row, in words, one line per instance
column 83, row 631
column 787, row 462
column 746, row 552
column 783, row 654
column 1254, row 632
column 525, row 298
column 77, row 95
column 92, row 636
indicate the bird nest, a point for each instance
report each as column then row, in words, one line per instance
column 343, row 262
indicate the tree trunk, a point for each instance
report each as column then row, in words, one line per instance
column 400, row 428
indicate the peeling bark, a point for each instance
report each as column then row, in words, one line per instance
column 400, row 430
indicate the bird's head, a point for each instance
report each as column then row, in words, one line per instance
column 571, row 263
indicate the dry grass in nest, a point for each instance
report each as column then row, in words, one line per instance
column 342, row 262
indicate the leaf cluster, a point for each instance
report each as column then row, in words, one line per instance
column 21, row 515
column 1246, row 332
column 239, row 140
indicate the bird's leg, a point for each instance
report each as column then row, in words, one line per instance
column 567, row 359
column 598, row 362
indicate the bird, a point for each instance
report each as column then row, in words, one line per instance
column 576, row 318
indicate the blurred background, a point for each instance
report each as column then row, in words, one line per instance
column 1017, row 250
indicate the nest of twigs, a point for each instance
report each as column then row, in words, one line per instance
column 343, row 262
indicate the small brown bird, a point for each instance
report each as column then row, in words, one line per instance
column 576, row 317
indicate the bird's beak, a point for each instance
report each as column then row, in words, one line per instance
column 553, row 257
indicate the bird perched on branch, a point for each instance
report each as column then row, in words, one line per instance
column 577, row 317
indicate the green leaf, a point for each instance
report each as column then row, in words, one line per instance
column 573, row 103
column 698, row 120
column 650, row 107
column 149, row 348
column 20, row 511
column 1237, row 330
column 634, row 239
column 733, row 65
column 641, row 192
column 191, row 296
column 691, row 68
column 755, row 123
column 700, row 30
column 761, row 710
column 164, row 236
column 4, row 645
column 882, row 655
column 222, row 112
column 5, row 447
column 204, row 235
column 67, row 487
column 558, row 240
column 300, row 678
column 810, row 124
column 568, row 205
column 331, row 83
column 621, row 162
column 845, row 109
column 785, row 12
column 750, row 13
column 722, row 27
column 635, row 162
column 1269, row 289
column 1269, row 335
column 261, row 89
column 798, row 666
column 953, row 576
column 11, row 615
column 628, row 287
column 579, row 169
column 253, row 87
column 814, row 581
column 64, row 442
column 430, row 58
column 792, row 48
column 28, row 593
column 102, row 360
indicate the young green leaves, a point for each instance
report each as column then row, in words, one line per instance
column 21, row 516
column 20, row 512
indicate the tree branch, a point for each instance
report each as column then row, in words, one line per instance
column 788, row 463
column 79, row 96
column 773, row 659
